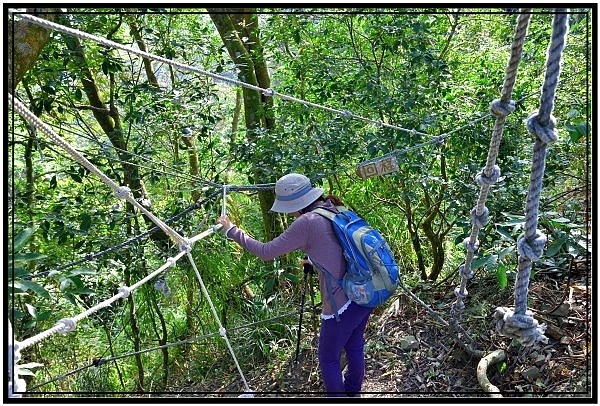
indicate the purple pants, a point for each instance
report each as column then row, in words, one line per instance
column 347, row 334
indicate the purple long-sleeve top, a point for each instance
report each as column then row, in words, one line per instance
column 313, row 234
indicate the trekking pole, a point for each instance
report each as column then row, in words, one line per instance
column 307, row 270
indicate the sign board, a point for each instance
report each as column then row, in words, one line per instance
column 377, row 167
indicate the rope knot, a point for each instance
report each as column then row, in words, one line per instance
column 465, row 272
column 222, row 331
column 501, row 108
column 67, row 325
column 124, row 291
column 471, row 246
column 483, row 179
column 482, row 219
column 122, row 192
column 532, row 249
column 522, row 327
column 544, row 132
column 170, row 262
column 268, row 92
column 459, row 294
column 345, row 113
column 185, row 246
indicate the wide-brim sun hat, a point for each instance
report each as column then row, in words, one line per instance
column 293, row 192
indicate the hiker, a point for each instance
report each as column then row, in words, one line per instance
column 313, row 234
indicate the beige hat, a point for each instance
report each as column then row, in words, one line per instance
column 294, row 192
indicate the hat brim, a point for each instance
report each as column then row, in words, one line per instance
column 298, row 204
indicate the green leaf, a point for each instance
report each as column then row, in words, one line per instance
column 27, row 257
column 479, row 262
column 501, row 276
column 34, row 287
column 23, row 237
column 556, row 245
column 86, row 222
column 290, row 277
column 504, row 233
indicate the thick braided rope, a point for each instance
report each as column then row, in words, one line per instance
column 519, row 323
column 491, row 172
column 121, row 192
column 267, row 92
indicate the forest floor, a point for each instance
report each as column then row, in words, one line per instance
column 410, row 354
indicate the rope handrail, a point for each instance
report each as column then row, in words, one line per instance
column 267, row 92
column 68, row 324
column 491, row 172
column 519, row 323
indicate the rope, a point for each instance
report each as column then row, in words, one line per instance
column 66, row 325
column 121, row 192
column 520, row 323
column 102, row 361
column 222, row 330
column 15, row 384
column 267, row 92
column 490, row 174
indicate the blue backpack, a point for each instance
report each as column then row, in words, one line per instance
column 372, row 273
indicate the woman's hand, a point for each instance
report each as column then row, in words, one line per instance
column 225, row 222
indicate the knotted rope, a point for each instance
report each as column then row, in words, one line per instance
column 519, row 323
column 490, row 174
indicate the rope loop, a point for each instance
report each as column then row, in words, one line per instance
column 122, row 192
column 68, row 324
column 546, row 133
column 473, row 247
column 532, row 249
column 124, row 291
column 268, row 92
column 522, row 327
column 482, row 219
column 459, row 294
column 483, row 179
column 501, row 108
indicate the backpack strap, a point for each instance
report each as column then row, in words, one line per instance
column 328, row 213
column 328, row 278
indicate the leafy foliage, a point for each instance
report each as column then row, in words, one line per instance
column 430, row 72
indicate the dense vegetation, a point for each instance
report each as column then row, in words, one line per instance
column 173, row 136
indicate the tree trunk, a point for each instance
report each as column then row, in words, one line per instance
column 135, row 31
column 25, row 43
column 249, row 60
column 110, row 122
